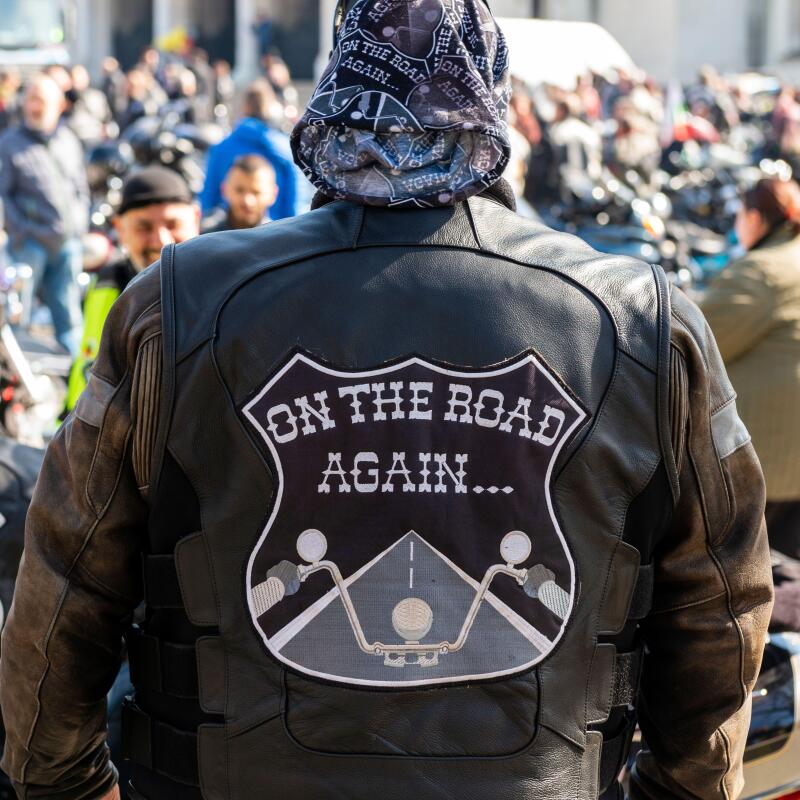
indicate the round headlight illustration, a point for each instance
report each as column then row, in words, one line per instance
column 312, row 545
column 412, row 619
column 515, row 547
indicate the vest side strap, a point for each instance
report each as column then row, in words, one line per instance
column 158, row 747
column 161, row 666
column 196, row 581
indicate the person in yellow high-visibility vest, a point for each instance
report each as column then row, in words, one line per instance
column 157, row 209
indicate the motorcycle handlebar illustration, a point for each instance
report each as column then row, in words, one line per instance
column 412, row 618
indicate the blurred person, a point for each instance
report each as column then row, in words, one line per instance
column 242, row 376
column 198, row 63
column 113, row 84
column 249, row 190
column 577, row 146
column 184, row 99
column 10, row 84
column 589, row 97
column 753, row 309
column 150, row 61
column 156, row 209
column 277, row 73
column 89, row 115
column 712, row 97
column 263, row 31
column 224, row 86
column 45, row 198
column 60, row 74
column 255, row 135
column 142, row 98
column 636, row 142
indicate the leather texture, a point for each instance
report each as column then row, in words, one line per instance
column 473, row 286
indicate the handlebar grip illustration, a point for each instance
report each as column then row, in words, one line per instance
column 282, row 580
column 541, row 585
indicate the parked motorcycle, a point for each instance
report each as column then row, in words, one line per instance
column 772, row 758
column 33, row 369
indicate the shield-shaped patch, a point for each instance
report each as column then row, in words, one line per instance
column 413, row 539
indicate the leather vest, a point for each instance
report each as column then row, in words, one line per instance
column 430, row 456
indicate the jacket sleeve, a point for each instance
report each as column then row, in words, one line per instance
column 79, row 580
column 740, row 307
column 713, row 590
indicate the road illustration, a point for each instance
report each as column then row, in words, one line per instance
column 413, row 596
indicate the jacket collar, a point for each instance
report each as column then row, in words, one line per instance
column 779, row 235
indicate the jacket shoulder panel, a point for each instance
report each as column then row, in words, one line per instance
column 626, row 287
column 219, row 262
column 690, row 326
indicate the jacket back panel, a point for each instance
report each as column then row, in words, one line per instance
column 354, row 292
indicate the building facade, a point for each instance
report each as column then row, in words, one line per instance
column 667, row 38
column 674, row 38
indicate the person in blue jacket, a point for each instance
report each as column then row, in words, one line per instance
column 253, row 135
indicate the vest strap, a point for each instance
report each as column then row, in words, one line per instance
column 614, row 754
column 627, row 669
column 182, row 581
column 161, row 666
column 158, row 747
column 642, row 600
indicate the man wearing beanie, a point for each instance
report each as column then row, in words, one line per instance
column 156, row 210
column 423, row 499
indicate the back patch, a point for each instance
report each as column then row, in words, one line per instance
column 412, row 541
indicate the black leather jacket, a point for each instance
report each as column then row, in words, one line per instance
column 421, row 387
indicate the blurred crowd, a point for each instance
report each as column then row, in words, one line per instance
column 67, row 149
column 96, row 178
column 622, row 122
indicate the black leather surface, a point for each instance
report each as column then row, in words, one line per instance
column 470, row 286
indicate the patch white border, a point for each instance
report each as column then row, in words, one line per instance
column 528, row 358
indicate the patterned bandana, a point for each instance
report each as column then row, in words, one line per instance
column 412, row 107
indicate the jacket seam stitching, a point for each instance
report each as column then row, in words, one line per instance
column 98, row 512
column 691, row 335
column 342, row 248
column 736, row 449
column 684, row 606
column 727, row 749
column 717, row 409
column 727, row 592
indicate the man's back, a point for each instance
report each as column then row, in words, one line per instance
column 412, row 481
column 449, row 590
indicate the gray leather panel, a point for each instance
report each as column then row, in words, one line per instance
column 619, row 592
column 728, row 430
column 625, row 286
column 211, row 674
column 265, row 757
column 93, row 402
column 623, row 447
column 590, row 766
column 601, row 683
column 242, row 253
column 211, row 754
